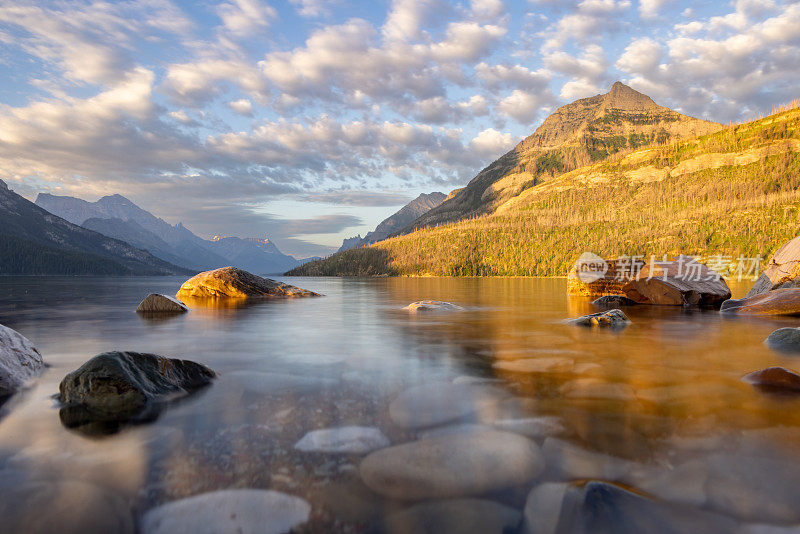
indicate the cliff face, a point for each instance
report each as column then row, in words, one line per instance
column 397, row 221
column 575, row 135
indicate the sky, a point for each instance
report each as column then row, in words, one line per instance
column 308, row 121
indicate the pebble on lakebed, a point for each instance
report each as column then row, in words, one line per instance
column 345, row 440
column 245, row 511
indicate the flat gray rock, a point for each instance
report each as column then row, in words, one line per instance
column 441, row 403
column 345, row 440
column 452, row 466
column 784, row 340
column 19, row 361
column 449, row 430
column 462, row 516
column 240, row 511
column 533, row 427
column 432, row 305
column 555, row 364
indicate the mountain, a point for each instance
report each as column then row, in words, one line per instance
column 34, row 241
column 723, row 196
column 253, row 254
column 578, row 134
column 397, row 221
column 191, row 251
column 118, row 217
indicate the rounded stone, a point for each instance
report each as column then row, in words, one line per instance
column 432, row 305
column 244, row 511
column 19, row 361
column 157, row 303
column 345, row 440
column 440, row 403
column 452, row 466
column 784, row 339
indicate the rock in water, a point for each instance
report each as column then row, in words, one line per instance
column 613, row 301
column 597, row 507
column 346, row 439
column 607, row 281
column 432, row 305
column 230, row 282
column 782, row 271
column 244, row 511
column 433, row 404
column 611, row 318
column 682, row 282
column 774, row 379
column 464, row 516
column 19, row 361
column 784, row 339
column 777, row 302
column 455, row 465
column 120, row 385
column 157, row 303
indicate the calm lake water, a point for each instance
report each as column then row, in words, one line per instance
column 658, row 407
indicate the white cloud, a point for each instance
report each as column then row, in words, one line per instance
column 649, row 8
column 243, row 18
column 522, row 106
column 496, row 76
column 491, row 143
column 487, row 9
column 313, row 8
column 640, row 56
column 242, row 107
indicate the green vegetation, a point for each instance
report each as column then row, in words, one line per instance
column 18, row 256
column 731, row 193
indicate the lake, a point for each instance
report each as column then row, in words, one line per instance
column 657, row 408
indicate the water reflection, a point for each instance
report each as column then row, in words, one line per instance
column 659, row 406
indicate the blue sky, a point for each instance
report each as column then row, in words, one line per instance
column 311, row 120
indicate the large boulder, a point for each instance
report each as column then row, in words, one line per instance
column 157, row 303
column 784, row 340
column 230, row 282
column 456, row 465
column 432, row 305
column 607, row 277
column 122, row 385
column 19, row 361
column 244, row 511
column 613, row 301
column 681, row 282
column 777, row 302
column 782, row 271
column 597, row 507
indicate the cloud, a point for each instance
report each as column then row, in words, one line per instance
column 313, row 8
column 357, row 198
column 242, row 18
column 491, row 143
column 649, row 8
column 640, row 56
column 523, row 106
column 242, row 107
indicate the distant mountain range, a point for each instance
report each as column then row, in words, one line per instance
column 34, row 241
column 118, row 217
column 397, row 221
column 580, row 183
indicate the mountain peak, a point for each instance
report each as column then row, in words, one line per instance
column 3, row 185
column 623, row 97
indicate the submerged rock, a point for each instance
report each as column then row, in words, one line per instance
column 230, row 282
column 440, row 403
column 774, row 379
column 777, row 302
column 452, row 466
column 122, row 385
column 157, row 303
column 464, row 516
column 613, row 301
column 612, row 318
column 784, row 339
column 566, row 460
column 346, row 439
column 19, row 361
column 782, row 270
column 47, row 506
column 555, row 364
column 597, row 507
column 244, row 511
column 432, row 305
column 595, row 388
column 682, row 282
column 533, row 427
